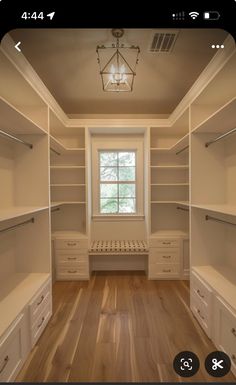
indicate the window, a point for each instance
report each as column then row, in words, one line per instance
column 117, row 177
column 117, row 182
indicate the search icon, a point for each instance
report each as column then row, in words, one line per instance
column 186, row 364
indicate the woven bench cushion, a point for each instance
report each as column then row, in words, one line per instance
column 118, row 247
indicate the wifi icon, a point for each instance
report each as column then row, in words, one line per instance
column 193, row 15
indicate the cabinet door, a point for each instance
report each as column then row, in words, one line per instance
column 225, row 330
column 13, row 349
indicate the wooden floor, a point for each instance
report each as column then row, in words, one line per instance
column 118, row 327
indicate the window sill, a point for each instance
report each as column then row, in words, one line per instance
column 117, row 218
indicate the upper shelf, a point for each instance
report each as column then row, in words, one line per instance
column 15, row 212
column 178, row 146
column 170, row 167
column 221, row 121
column 65, row 167
column 220, row 208
column 57, row 146
column 15, row 122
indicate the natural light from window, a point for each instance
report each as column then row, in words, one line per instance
column 117, row 174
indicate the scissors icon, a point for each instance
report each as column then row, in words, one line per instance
column 217, row 364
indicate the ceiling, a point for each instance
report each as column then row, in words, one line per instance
column 66, row 61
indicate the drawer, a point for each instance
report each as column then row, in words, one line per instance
column 72, row 273
column 71, row 244
column 69, row 265
column 202, row 313
column 13, row 350
column 163, row 270
column 201, row 290
column 225, row 332
column 164, row 255
column 41, row 322
column 71, row 258
column 39, row 301
column 164, row 242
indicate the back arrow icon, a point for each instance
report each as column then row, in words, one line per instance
column 17, row 46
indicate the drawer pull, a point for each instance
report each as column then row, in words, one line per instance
column 166, row 256
column 166, row 243
column 166, row 270
column 200, row 314
column 6, row 360
column 71, row 243
column 41, row 322
column 41, row 300
column 233, row 331
column 233, row 357
column 72, row 271
column 71, row 258
column 199, row 293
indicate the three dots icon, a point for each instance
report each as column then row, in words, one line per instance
column 217, row 46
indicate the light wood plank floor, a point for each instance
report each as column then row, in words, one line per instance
column 118, row 327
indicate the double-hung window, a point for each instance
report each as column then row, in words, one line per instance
column 117, row 182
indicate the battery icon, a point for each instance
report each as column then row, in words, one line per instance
column 211, row 15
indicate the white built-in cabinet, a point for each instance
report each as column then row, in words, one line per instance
column 25, row 257
column 169, row 200
column 68, row 187
column 213, row 209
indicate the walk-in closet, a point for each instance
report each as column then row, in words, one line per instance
column 117, row 209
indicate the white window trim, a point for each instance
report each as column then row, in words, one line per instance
column 117, row 144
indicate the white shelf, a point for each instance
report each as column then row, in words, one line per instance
column 183, row 203
column 55, row 204
column 15, row 212
column 16, row 123
column 222, row 209
column 65, row 167
column 170, row 233
column 68, row 185
column 221, row 121
column 181, row 143
column 15, row 292
column 177, row 167
column 68, row 234
column 56, row 145
column 170, row 184
column 222, row 279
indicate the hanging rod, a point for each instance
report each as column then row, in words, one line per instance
column 182, row 208
column 207, row 144
column 19, row 224
column 56, row 152
column 183, row 149
column 3, row 133
column 209, row 218
column 57, row 209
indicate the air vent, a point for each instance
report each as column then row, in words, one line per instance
column 163, row 41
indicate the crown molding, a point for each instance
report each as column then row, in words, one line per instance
column 209, row 72
column 28, row 72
